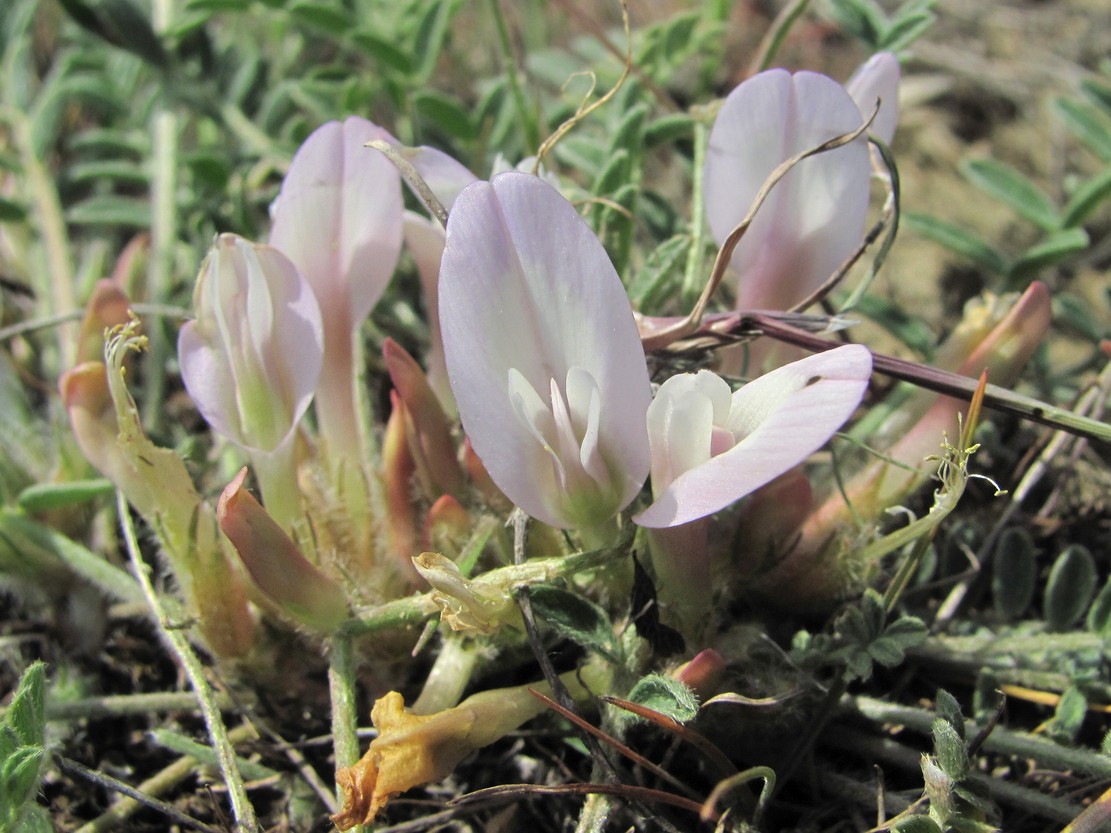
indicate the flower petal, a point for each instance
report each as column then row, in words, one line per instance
column 251, row 359
column 778, row 420
column 424, row 239
column 814, row 217
column 338, row 218
column 681, row 424
column 878, row 79
column 525, row 286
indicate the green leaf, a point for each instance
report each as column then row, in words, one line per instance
column 386, row 52
column 326, row 17
column 109, row 142
column 916, row 824
column 1072, row 580
column 1098, row 93
column 182, row 745
column 1099, row 615
column 35, row 819
column 1054, row 249
column 20, row 772
column 217, row 6
column 576, row 618
column 42, row 496
column 875, row 612
column 1078, row 314
column 209, row 168
column 1013, row 188
column 432, row 31
column 949, row 748
column 862, row 19
column 957, row 239
column 27, row 713
column 11, row 211
column 134, row 31
column 110, row 210
column 986, row 695
column 121, row 23
column 949, row 710
column 1014, row 573
column 1090, row 194
column 445, row 113
column 902, row 634
column 109, row 170
column 667, row 129
column 1088, row 125
column 613, row 175
column 661, row 272
column 665, row 695
column 1068, row 717
column 584, row 155
column 906, row 30
column 629, row 135
column 904, row 324
column 678, row 35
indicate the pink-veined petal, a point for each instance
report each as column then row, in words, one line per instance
column 338, row 218
column 814, row 217
column 878, row 79
column 780, row 420
column 526, row 287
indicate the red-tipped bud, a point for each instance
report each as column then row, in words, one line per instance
column 398, row 470
column 431, row 443
column 703, row 674
column 276, row 565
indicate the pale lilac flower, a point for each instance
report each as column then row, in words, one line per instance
column 543, row 353
column 814, row 217
column 711, row 447
column 877, row 79
column 338, row 218
column 251, row 358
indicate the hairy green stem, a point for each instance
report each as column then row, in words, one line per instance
column 345, row 718
column 449, row 675
column 1001, row 741
column 245, row 820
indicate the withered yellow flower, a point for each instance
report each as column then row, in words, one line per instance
column 411, row 749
